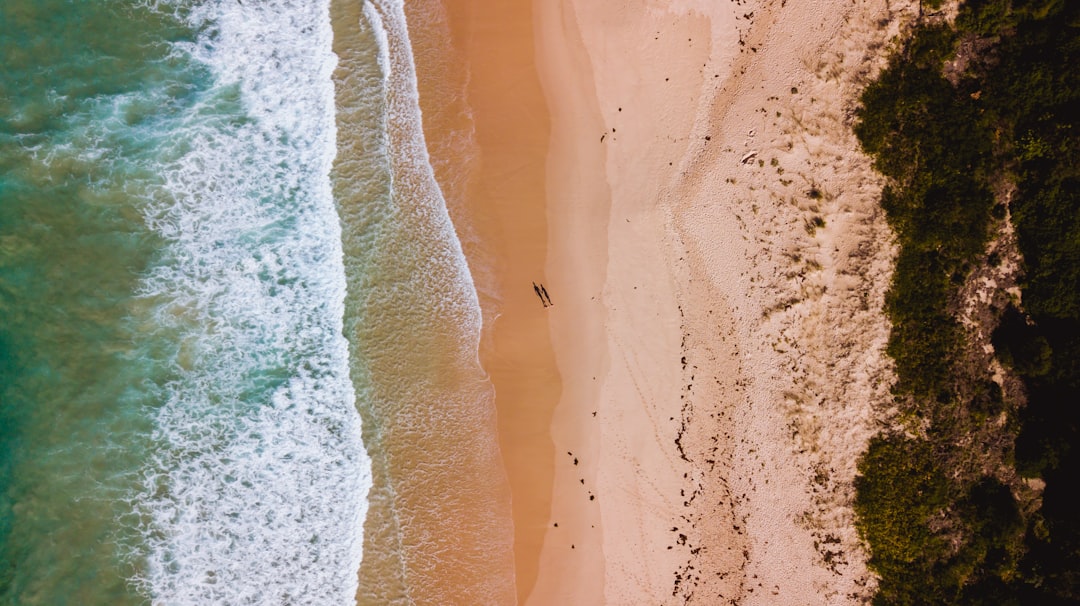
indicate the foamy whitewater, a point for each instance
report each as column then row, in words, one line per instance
column 255, row 492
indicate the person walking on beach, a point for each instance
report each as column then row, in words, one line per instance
column 536, row 289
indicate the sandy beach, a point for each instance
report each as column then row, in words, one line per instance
column 682, row 424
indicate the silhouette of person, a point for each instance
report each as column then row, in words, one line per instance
column 536, row 289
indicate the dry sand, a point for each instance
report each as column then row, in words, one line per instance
column 682, row 426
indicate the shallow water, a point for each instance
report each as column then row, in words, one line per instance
column 439, row 530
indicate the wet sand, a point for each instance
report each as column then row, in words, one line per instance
column 497, row 195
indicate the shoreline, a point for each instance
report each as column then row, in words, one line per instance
column 438, row 528
column 500, row 205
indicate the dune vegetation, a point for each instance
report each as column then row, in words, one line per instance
column 963, row 497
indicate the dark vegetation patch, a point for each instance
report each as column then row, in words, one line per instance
column 971, row 123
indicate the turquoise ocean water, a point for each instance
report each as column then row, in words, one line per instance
column 177, row 420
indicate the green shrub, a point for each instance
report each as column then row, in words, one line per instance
column 1012, row 116
column 899, row 488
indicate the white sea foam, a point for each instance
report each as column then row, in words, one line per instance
column 382, row 41
column 256, row 493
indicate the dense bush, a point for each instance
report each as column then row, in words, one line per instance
column 941, row 531
column 900, row 488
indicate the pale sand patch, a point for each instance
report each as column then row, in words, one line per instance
column 620, row 348
column 745, row 265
